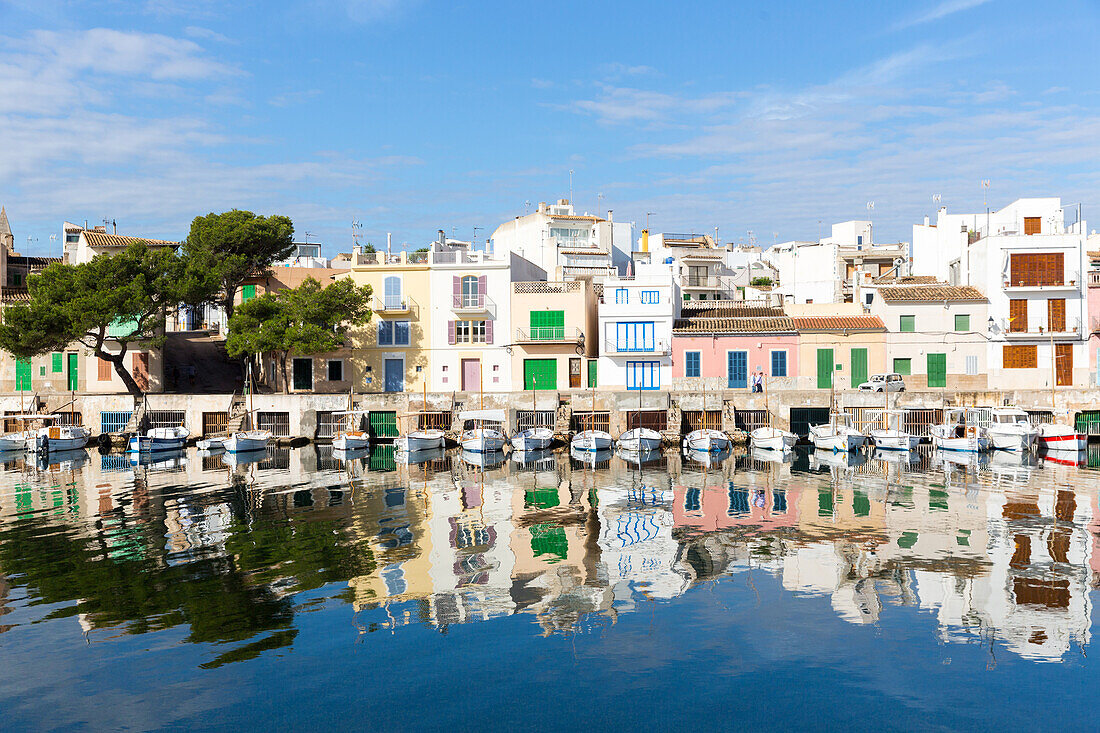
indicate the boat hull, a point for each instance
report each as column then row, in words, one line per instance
column 640, row 440
column 1061, row 438
column 972, row 444
column 841, row 442
column 247, row 442
column 482, row 440
column 591, row 441
column 533, row 439
column 73, row 438
column 1012, row 440
column 894, row 440
column 772, row 439
column 13, row 442
column 710, row 441
column 350, row 441
column 420, row 440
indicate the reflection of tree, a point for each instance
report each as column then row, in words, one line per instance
column 222, row 599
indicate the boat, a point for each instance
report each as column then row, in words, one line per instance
column 157, row 440
column 774, row 439
column 707, row 441
column 838, row 434
column 212, row 443
column 19, row 440
column 351, row 440
column 420, row 438
column 640, row 440
column 591, row 441
column 960, row 431
column 486, row 434
column 1055, row 436
column 1011, row 429
column 533, row 439
column 247, row 440
column 54, row 438
column 893, row 437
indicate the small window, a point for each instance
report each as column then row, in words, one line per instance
column 470, row 332
column 962, row 322
column 57, row 362
column 907, row 324
column 385, row 333
column 336, row 370
column 972, row 365
column 651, row 297
column 692, row 360
column 903, row 366
column 401, row 333
column 622, row 296
column 779, row 363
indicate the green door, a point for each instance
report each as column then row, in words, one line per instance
column 383, row 424
column 248, row 292
column 540, row 373
column 859, row 367
column 937, row 370
column 73, row 372
column 547, row 325
column 592, row 371
column 824, row 368
column 23, row 375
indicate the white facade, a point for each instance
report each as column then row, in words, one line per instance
column 635, row 329
column 991, row 252
column 809, row 272
column 698, row 265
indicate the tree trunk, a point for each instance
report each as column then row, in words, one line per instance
column 117, row 361
column 227, row 306
column 286, row 384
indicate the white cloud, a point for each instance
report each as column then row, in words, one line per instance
column 942, row 10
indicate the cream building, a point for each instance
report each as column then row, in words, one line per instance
column 554, row 338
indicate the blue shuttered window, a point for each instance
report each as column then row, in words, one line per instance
column 737, row 369
column 779, row 363
column 643, row 375
column 692, row 363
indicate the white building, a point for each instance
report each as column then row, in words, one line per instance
column 635, row 328
column 698, row 264
column 1033, row 268
column 566, row 245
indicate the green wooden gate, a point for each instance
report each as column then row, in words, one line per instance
column 859, row 367
column 383, row 424
column 937, row 370
column 540, row 373
column 73, row 375
column 824, row 368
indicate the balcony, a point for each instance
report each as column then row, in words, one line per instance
column 656, row 348
column 1039, row 331
column 1094, row 279
column 587, row 271
column 1067, row 283
column 473, row 303
column 393, row 305
column 549, row 335
column 700, row 282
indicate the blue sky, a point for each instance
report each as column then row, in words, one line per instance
column 415, row 116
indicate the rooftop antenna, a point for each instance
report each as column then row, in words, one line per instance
column 752, row 238
column 474, row 241
column 647, row 219
column 599, row 203
column 527, row 207
column 308, row 235
column 870, row 205
column 985, row 189
column 356, row 232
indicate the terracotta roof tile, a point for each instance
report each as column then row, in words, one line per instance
column 938, row 292
column 15, row 295
column 908, row 279
column 838, row 323
column 696, row 325
column 573, row 217
column 102, row 239
column 729, row 309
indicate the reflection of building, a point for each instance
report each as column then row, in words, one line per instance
column 636, row 542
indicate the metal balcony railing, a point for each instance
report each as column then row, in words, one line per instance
column 393, row 304
column 473, row 303
column 699, row 281
column 657, row 346
column 549, row 334
column 1072, row 327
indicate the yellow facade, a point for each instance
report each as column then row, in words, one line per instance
column 572, row 347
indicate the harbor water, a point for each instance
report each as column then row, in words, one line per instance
column 306, row 588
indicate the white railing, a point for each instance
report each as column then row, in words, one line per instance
column 1072, row 326
column 473, row 302
column 549, row 334
column 393, row 304
column 659, row 346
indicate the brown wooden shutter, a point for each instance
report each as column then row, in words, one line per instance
column 1019, row 356
column 1063, row 365
column 1017, row 316
column 1033, row 224
column 1056, row 315
column 1035, row 269
column 105, row 370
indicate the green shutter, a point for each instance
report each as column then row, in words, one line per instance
column 73, row 375
column 248, row 292
column 592, row 373
column 540, row 373
column 859, row 366
column 23, row 375
column 547, row 325
column 548, row 542
column 57, row 362
column 962, row 322
column 907, row 324
column 937, row 370
column 824, row 368
column 903, row 366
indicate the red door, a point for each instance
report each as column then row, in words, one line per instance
column 471, row 375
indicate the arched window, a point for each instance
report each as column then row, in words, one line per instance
column 471, row 294
column 392, row 286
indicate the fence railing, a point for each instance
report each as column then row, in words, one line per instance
column 277, row 422
column 165, row 418
column 548, row 333
column 473, row 302
column 699, row 420
column 657, row 346
column 652, row 419
column 590, row 421
column 113, row 422
column 527, row 419
column 749, row 420
column 393, row 304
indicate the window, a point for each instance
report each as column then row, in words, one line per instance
column 692, row 363
column 779, row 363
column 1037, row 269
column 470, row 332
column 393, row 333
column 568, row 237
column 1033, row 225
column 392, row 289
column 104, row 372
column 336, row 370
column 962, row 322
column 57, row 362
column 1056, row 315
column 71, row 238
column 907, row 324
column 634, row 336
column 1017, row 316
column 643, row 375
column 903, row 366
column 622, row 296
column 972, row 365
column 471, row 292
column 651, row 297
column 303, row 373
column 1020, row 356
column 547, row 325
column 248, row 292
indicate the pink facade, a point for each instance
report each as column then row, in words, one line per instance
column 714, row 358
column 713, row 507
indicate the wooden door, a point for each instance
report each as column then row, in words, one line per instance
column 141, row 371
column 1056, row 315
column 471, row 375
column 824, row 368
column 1063, row 356
column 574, row 373
column 859, row 367
column 74, row 377
column 1017, row 315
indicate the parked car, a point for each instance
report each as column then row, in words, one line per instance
column 884, row 383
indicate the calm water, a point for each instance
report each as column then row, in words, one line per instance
column 305, row 590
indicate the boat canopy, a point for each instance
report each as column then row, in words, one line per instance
column 483, row 415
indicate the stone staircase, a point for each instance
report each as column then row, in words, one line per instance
column 238, row 414
column 563, row 419
column 137, row 418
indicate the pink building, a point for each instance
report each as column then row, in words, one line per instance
column 709, row 507
column 725, row 344
column 1094, row 315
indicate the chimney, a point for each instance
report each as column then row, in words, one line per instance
column 609, row 219
column 542, row 207
column 389, row 241
column 926, row 221
column 442, row 237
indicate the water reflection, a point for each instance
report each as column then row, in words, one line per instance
column 1000, row 550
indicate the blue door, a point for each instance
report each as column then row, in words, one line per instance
column 395, row 375
column 737, row 369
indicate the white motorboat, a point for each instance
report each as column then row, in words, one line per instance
column 838, row 434
column 707, row 441
column 160, row 439
column 894, row 437
column 16, row 441
column 533, row 439
column 59, row 438
column 769, row 438
column 419, row 440
column 960, row 431
column 213, row 443
column 1011, row 429
column 486, row 431
column 1055, row 436
column 591, row 441
column 247, row 440
column 640, row 440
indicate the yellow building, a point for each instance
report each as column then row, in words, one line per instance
column 554, row 339
column 839, row 346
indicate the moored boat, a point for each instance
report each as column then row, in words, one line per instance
column 960, row 431
column 640, row 440
column 591, row 441
column 769, row 438
column 533, row 439
column 247, row 440
column 1011, row 429
column 1055, row 436
column 485, row 434
column 894, row 436
column 55, row 438
column 157, row 440
column 707, row 440
column 838, row 434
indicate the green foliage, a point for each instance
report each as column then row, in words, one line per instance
column 81, row 303
column 224, row 249
column 761, row 282
column 369, row 248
